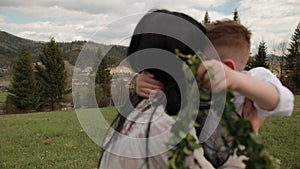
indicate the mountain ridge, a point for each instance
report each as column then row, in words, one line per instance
column 10, row 44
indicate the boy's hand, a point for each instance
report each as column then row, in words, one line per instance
column 145, row 83
column 216, row 75
column 250, row 113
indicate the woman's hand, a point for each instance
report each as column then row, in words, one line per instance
column 146, row 83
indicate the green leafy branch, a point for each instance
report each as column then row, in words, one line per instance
column 239, row 131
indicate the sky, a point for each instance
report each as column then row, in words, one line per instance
column 113, row 21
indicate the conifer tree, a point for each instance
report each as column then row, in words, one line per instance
column 292, row 58
column 23, row 92
column 51, row 76
column 261, row 57
column 103, row 78
column 206, row 18
column 236, row 15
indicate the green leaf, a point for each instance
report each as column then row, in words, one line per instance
column 196, row 124
column 182, row 134
column 187, row 151
column 211, row 72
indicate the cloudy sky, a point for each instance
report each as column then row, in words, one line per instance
column 112, row 21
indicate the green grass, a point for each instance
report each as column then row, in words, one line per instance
column 56, row 140
column 46, row 140
column 282, row 138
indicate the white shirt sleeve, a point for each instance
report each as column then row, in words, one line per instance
column 286, row 97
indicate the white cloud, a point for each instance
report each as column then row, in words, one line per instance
column 172, row 4
column 94, row 6
column 2, row 20
column 65, row 25
column 68, row 20
column 271, row 21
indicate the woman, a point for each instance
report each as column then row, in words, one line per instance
column 143, row 130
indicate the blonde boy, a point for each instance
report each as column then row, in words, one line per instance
column 258, row 92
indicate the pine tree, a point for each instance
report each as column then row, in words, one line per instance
column 51, row 76
column 103, row 78
column 206, row 18
column 236, row 15
column 250, row 63
column 23, row 92
column 261, row 56
column 292, row 58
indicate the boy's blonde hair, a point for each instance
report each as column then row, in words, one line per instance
column 232, row 35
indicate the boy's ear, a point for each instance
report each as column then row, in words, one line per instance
column 230, row 63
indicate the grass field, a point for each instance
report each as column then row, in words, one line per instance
column 56, row 140
column 46, row 140
column 282, row 138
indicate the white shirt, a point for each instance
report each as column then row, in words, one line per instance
column 286, row 97
column 128, row 150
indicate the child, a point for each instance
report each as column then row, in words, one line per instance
column 258, row 93
column 258, row 85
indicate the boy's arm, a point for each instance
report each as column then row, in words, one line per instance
column 265, row 94
column 286, row 97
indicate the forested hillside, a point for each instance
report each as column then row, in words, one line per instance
column 10, row 44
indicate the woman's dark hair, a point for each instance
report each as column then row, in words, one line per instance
column 153, row 39
column 148, row 39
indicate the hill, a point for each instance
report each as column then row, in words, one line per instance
column 10, row 44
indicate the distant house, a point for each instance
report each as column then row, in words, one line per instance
column 4, row 85
column 122, row 75
column 77, row 70
column 3, row 70
column 87, row 70
column 78, row 82
column 120, row 69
